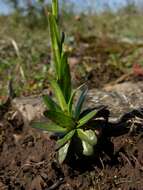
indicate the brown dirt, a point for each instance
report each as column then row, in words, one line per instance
column 28, row 161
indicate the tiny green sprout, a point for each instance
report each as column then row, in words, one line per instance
column 68, row 121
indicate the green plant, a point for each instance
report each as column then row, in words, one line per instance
column 68, row 121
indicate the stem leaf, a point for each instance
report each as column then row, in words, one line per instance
column 86, row 118
column 52, row 127
column 59, row 95
column 60, row 118
column 88, row 136
column 50, row 103
column 61, row 142
column 80, row 102
column 87, row 149
column 65, row 78
column 62, row 153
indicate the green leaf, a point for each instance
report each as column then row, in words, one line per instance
column 65, row 78
column 62, row 40
column 55, row 8
column 59, row 95
column 80, row 102
column 50, row 103
column 52, row 127
column 60, row 119
column 55, row 42
column 88, row 149
column 65, row 139
column 70, row 103
column 88, row 136
column 62, row 153
column 86, row 118
column 56, row 31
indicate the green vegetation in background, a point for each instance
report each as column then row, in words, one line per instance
column 33, row 42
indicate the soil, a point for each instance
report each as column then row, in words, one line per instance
column 28, row 160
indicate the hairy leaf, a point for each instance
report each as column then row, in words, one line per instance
column 55, row 42
column 60, row 119
column 86, row 118
column 102, row 111
column 59, row 95
column 62, row 41
column 88, row 136
column 65, row 78
column 55, row 8
column 87, row 149
column 50, row 103
column 62, row 153
column 70, row 103
column 52, row 127
column 65, row 139
column 80, row 102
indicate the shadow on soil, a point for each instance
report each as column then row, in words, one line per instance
column 28, row 160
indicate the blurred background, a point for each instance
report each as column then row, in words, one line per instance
column 104, row 41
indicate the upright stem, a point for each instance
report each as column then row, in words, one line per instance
column 55, row 9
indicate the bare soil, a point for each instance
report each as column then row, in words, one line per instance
column 28, row 160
